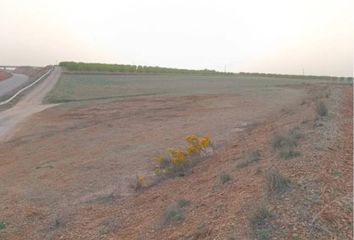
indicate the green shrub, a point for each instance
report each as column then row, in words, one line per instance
column 2, row 225
column 338, row 173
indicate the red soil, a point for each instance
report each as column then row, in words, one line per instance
column 318, row 205
column 32, row 72
column 4, row 75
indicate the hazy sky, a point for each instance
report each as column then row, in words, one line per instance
column 253, row 35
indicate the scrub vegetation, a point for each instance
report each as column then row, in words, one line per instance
column 176, row 161
column 285, row 143
column 175, row 212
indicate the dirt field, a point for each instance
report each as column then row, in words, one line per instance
column 66, row 173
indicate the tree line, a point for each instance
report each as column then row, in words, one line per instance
column 275, row 75
column 104, row 67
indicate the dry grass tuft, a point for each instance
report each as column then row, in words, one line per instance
column 175, row 212
column 224, row 178
column 277, row 183
column 321, row 109
column 253, row 156
column 285, row 143
column 259, row 221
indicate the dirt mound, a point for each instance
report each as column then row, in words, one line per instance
column 4, row 75
column 32, row 72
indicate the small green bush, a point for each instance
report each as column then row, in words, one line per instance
column 2, row 225
column 338, row 173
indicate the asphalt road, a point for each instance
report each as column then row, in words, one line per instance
column 9, row 85
column 29, row 104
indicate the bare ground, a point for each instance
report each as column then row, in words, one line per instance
column 66, row 173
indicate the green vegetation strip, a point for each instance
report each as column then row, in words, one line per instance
column 84, row 87
column 103, row 67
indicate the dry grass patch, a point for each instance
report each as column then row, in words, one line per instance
column 259, row 222
column 286, row 143
column 321, row 110
column 276, row 182
column 253, row 156
column 224, row 178
column 175, row 212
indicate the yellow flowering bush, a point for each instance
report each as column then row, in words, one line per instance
column 204, row 141
column 197, row 144
column 140, row 180
column 177, row 160
column 177, row 156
